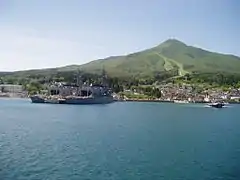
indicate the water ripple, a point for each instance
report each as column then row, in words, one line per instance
column 120, row 141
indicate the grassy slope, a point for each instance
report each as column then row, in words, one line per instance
column 171, row 64
column 167, row 56
column 196, row 59
column 137, row 64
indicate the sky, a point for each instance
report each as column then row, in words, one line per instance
column 52, row 33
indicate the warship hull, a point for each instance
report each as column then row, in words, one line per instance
column 89, row 100
column 75, row 100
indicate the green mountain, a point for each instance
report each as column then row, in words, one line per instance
column 170, row 56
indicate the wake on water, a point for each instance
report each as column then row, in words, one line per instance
column 207, row 106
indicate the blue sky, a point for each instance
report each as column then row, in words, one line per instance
column 50, row 33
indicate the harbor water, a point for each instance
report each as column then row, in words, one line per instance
column 118, row 141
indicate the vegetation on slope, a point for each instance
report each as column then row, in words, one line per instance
column 168, row 56
column 172, row 58
column 198, row 60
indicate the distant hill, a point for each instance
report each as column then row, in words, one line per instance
column 168, row 56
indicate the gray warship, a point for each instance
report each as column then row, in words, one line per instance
column 81, row 93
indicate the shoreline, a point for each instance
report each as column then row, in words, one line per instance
column 166, row 101
column 145, row 100
column 136, row 100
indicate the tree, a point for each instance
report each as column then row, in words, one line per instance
column 34, row 87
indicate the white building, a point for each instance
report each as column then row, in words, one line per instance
column 11, row 88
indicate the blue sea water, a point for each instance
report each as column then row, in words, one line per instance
column 119, row 141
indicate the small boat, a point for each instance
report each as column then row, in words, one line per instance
column 217, row 105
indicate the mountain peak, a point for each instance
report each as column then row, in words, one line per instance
column 173, row 41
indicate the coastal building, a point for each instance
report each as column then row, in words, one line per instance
column 11, row 88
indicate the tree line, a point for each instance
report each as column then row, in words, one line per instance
column 37, row 82
column 221, row 79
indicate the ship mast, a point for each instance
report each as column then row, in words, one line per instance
column 104, row 77
column 79, row 83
